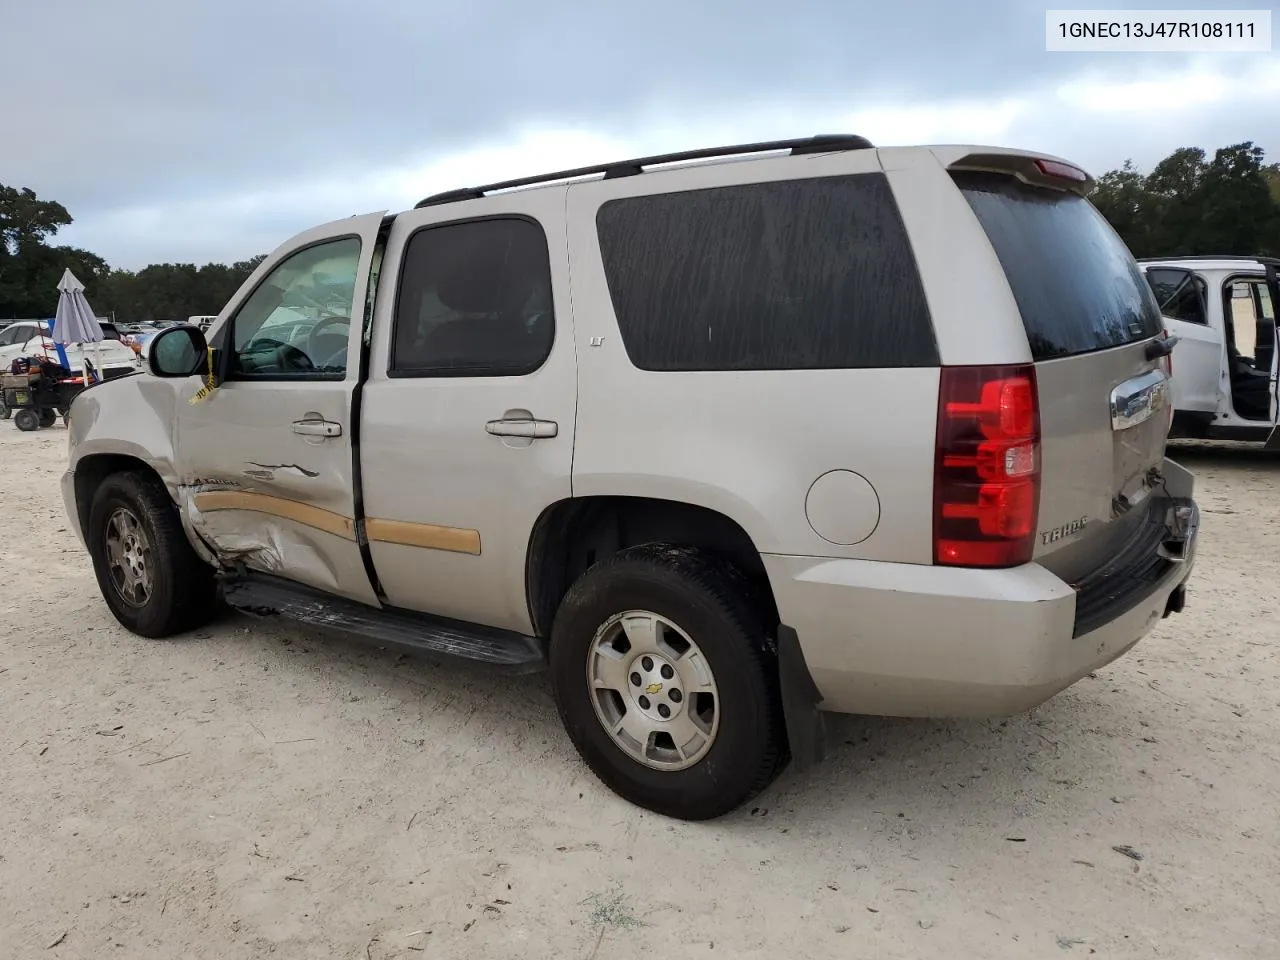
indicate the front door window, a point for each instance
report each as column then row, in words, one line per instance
column 297, row 323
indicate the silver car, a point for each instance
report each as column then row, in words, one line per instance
column 722, row 446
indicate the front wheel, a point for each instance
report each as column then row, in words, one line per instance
column 666, row 683
column 149, row 575
column 48, row 418
column 26, row 420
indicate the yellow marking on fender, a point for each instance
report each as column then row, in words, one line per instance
column 303, row 513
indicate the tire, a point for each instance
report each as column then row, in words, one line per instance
column 699, row 600
column 181, row 594
column 48, row 418
column 5, row 411
column 26, row 420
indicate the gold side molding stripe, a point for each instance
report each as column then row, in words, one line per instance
column 430, row 536
column 303, row 513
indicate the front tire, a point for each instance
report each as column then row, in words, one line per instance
column 149, row 575
column 666, row 682
column 26, row 420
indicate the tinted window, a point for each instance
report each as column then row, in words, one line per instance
column 1179, row 293
column 297, row 322
column 474, row 301
column 794, row 274
column 1074, row 280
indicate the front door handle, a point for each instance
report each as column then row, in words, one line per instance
column 534, row 429
column 317, row 428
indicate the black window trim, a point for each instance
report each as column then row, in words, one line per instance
column 394, row 373
column 1201, row 287
column 228, row 329
column 934, row 358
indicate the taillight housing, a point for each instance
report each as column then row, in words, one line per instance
column 986, row 489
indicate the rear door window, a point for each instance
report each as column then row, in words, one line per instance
column 1075, row 282
column 787, row 275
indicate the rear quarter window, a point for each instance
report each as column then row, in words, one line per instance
column 787, row 275
column 1075, row 282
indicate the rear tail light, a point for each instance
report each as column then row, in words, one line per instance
column 986, row 490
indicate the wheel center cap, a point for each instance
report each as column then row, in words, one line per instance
column 655, row 687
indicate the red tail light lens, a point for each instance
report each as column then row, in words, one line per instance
column 987, row 466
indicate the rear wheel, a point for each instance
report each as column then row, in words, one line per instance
column 5, row 411
column 152, row 580
column 26, row 420
column 665, row 682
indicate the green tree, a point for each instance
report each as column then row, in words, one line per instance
column 24, row 217
column 1190, row 205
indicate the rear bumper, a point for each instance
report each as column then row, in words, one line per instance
column 928, row 641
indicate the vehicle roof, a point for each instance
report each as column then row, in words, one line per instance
column 763, row 151
column 1211, row 262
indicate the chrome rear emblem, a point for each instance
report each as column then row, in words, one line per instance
column 1138, row 399
column 1066, row 530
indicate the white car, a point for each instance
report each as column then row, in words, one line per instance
column 1223, row 311
column 28, row 338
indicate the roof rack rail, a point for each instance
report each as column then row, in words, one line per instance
column 823, row 143
column 1274, row 261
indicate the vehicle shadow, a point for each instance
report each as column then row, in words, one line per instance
column 876, row 768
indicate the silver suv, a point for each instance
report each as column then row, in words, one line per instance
column 720, row 445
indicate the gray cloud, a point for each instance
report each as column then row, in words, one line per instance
column 146, row 102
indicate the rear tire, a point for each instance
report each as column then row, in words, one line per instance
column 701, row 732
column 5, row 411
column 149, row 575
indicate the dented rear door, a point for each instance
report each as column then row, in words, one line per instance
column 265, row 460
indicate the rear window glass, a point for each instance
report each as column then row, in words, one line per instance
column 1074, row 280
column 787, row 275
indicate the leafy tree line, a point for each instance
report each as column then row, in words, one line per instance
column 1187, row 204
column 31, row 266
column 1192, row 205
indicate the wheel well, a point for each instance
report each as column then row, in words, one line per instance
column 92, row 470
column 572, row 535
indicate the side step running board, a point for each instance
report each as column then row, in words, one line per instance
column 264, row 596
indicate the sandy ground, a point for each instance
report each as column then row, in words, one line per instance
column 253, row 791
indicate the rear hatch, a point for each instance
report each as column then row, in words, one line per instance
column 1094, row 329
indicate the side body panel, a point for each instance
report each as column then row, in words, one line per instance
column 762, row 446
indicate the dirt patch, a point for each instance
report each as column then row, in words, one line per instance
column 251, row 791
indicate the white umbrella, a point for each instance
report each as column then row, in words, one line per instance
column 75, row 321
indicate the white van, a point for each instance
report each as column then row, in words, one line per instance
column 1223, row 311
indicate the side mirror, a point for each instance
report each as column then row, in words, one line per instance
column 179, row 352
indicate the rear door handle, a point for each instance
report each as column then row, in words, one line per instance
column 317, row 428
column 535, row 429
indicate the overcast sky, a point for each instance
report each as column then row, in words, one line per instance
column 200, row 130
